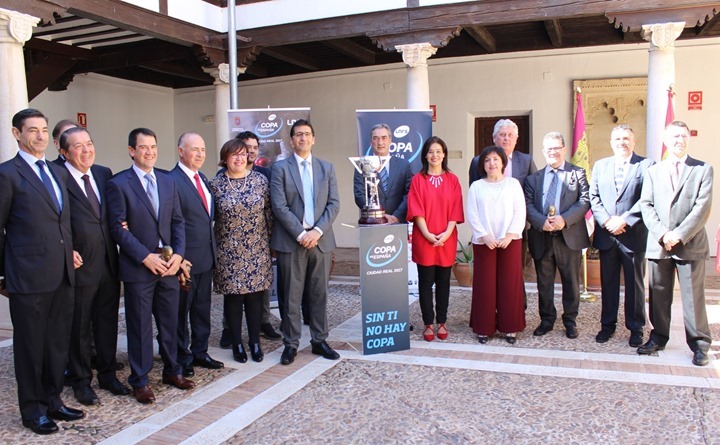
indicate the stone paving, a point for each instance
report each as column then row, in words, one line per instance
column 541, row 390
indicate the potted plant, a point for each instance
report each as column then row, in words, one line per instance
column 462, row 269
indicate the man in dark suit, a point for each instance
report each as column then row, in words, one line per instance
column 148, row 202
column 392, row 191
column 620, row 234
column 197, row 209
column 305, row 202
column 520, row 165
column 557, row 201
column 675, row 204
column 97, row 289
column 37, row 263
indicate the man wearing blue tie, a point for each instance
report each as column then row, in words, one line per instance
column 37, row 263
column 148, row 201
column 305, row 202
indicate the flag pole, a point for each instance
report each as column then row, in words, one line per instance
column 585, row 296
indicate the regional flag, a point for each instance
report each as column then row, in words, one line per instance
column 669, row 117
column 580, row 153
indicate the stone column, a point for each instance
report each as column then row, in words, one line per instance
column 415, row 56
column 222, row 102
column 661, row 74
column 15, row 30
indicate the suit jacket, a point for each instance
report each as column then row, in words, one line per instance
column 288, row 205
column 91, row 235
column 35, row 241
column 605, row 201
column 199, row 235
column 128, row 201
column 522, row 166
column 574, row 204
column 684, row 210
column 395, row 200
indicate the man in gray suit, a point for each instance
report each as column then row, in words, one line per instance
column 621, row 235
column 675, row 204
column 305, row 202
column 520, row 165
column 557, row 200
column 394, row 188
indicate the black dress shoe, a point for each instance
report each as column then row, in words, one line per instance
column 208, row 362
column 268, row 331
column 66, row 414
column 649, row 348
column 542, row 330
column 636, row 339
column 288, row 355
column 325, row 350
column 41, row 425
column 483, row 339
column 700, row 358
column 511, row 339
column 604, row 335
column 239, row 353
column 188, row 370
column 255, row 352
column 115, row 387
column 571, row 332
column 86, row 395
column 225, row 340
column 119, row 366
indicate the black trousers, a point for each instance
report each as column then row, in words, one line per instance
column 194, row 305
column 440, row 277
column 558, row 256
column 633, row 266
column 233, row 308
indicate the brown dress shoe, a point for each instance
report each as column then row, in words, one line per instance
column 178, row 381
column 144, row 394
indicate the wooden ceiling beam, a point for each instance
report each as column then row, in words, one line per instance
column 292, row 57
column 482, row 36
column 65, row 30
column 352, row 49
column 59, row 49
column 554, row 32
column 705, row 29
column 47, row 72
column 44, row 10
column 173, row 69
column 89, row 34
column 132, row 54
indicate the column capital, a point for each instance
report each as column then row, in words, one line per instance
column 416, row 54
column 16, row 27
column 221, row 73
column 662, row 35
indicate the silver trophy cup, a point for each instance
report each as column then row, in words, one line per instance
column 368, row 167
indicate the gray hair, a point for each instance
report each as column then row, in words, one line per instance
column 625, row 127
column 554, row 135
column 502, row 123
column 378, row 126
column 680, row 124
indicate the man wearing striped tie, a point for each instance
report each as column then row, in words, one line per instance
column 395, row 177
column 621, row 235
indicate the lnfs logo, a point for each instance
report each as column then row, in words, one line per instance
column 382, row 254
column 269, row 127
column 406, row 143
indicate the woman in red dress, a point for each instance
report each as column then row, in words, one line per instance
column 435, row 207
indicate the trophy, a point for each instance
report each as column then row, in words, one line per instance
column 551, row 211
column 368, row 167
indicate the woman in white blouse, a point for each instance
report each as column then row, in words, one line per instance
column 495, row 210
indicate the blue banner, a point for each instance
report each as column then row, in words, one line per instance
column 410, row 130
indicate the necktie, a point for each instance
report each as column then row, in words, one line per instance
column 309, row 217
column 384, row 179
column 619, row 177
column 47, row 182
column 675, row 175
column 92, row 197
column 201, row 192
column 552, row 191
column 152, row 193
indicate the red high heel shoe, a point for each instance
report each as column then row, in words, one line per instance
column 442, row 332
column 429, row 333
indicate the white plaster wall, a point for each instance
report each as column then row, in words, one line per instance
column 114, row 107
column 537, row 83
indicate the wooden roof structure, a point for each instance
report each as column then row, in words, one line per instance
column 121, row 40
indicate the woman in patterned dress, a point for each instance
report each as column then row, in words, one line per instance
column 243, row 270
column 435, row 206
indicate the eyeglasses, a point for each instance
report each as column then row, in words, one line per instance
column 307, row 134
column 548, row 149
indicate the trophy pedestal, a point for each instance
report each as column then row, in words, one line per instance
column 372, row 216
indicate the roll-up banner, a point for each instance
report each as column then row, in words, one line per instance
column 272, row 126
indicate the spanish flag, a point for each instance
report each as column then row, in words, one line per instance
column 669, row 117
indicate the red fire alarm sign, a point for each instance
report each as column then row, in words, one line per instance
column 82, row 119
column 695, row 100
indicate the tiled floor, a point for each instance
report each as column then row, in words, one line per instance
column 541, row 390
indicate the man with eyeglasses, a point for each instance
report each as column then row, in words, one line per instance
column 557, row 200
column 675, row 204
column 520, row 165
